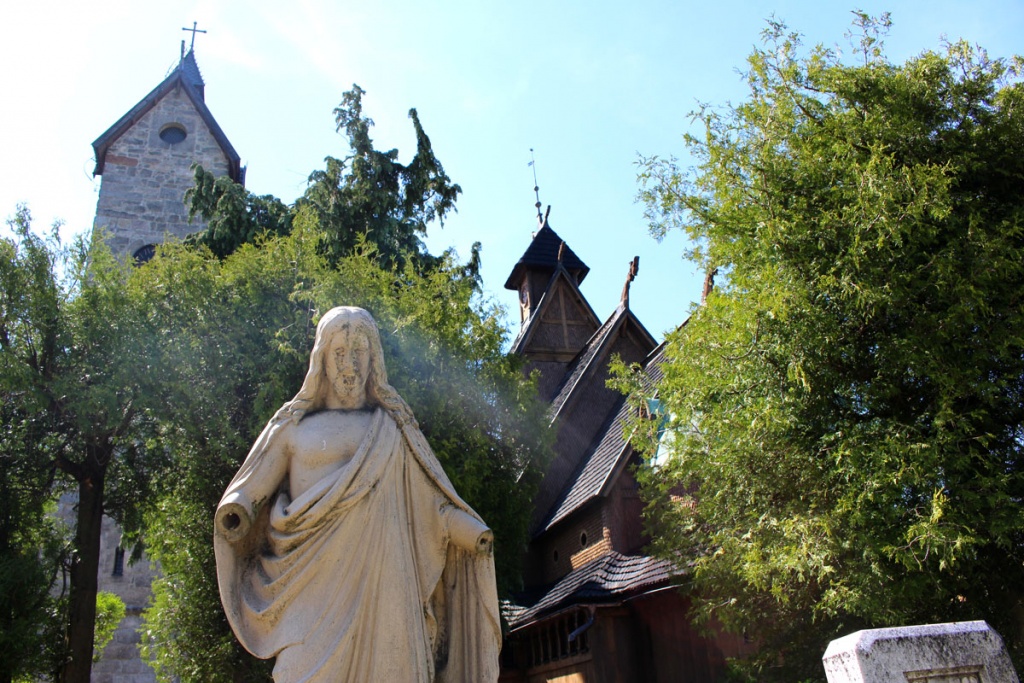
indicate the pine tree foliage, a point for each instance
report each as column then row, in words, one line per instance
column 847, row 410
column 367, row 197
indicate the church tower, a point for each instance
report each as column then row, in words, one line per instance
column 145, row 159
column 555, row 318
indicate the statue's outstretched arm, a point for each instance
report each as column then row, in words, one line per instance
column 468, row 532
column 260, row 477
column 234, row 516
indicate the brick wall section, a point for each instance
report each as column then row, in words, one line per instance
column 571, row 551
column 144, row 178
column 599, row 542
column 614, row 523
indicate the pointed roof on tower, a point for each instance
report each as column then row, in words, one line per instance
column 186, row 76
column 544, row 253
column 190, row 73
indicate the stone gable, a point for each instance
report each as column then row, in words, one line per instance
column 141, row 198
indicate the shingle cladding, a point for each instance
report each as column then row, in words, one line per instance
column 610, row 577
column 591, row 478
column 585, row 359
column 543, row 253
column 594, row 471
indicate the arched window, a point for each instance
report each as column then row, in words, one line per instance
column 143, row 254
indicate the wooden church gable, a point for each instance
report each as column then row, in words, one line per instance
column 623, row 335
column 584, row 404
column 561, row 323
column 606, row 459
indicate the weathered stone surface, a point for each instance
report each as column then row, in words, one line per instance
column 141, row 199
column 960, row 652
column 342, row 548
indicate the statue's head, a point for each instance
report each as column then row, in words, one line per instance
column 347, row 360
column 346, row 367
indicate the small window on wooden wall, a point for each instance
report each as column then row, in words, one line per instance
column 584, row 540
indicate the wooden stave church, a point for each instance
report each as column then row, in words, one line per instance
column 596, row 608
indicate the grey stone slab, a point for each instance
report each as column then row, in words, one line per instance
column 958, row 652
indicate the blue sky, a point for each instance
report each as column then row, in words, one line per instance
column 587, row 85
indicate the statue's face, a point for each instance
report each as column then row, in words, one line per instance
column 347, row 365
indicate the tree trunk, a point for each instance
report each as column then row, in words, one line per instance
column 83, row 578
column 7, row 609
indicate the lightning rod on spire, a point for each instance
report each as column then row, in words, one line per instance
column 536, row 187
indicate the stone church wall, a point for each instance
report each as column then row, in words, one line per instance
column 144, row 178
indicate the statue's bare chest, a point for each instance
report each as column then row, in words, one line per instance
column 322, row 443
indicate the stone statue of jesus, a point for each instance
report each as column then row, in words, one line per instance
column 342, row 548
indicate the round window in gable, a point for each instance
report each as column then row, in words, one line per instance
column 554, row 556
column 583, row 540
column 173, row 133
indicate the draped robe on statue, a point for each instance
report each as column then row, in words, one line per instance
column 356, row 580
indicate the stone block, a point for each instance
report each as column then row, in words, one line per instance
column 959, row 652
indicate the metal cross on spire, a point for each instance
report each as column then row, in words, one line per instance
column 194, row 31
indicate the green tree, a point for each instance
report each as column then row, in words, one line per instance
column 234, row 215
column 236, row 334
column 31, row 545
column 72, row 409
column 110, row 610
column 368, row 197
column 847, row 409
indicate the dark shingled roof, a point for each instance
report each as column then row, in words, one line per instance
column 595, row 472
column 511, row 611
column 186, row 75
column 543, row 253
column 654, row 367
column 608, row 578
column 190, row 71
column 585, row 358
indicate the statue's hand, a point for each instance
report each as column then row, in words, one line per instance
column 468, row 532
column 485, row 544
column 234, row 518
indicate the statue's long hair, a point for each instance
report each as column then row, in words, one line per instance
column 313, row 392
